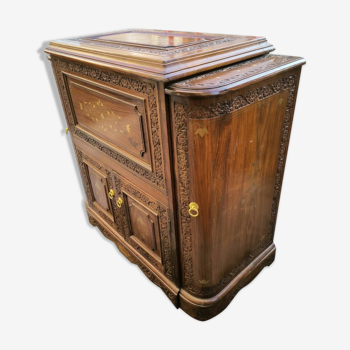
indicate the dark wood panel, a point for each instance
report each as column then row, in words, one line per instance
column 144, row 225
column 98, row 182
column 233, row 165
column 99, row 188
column 115, row 118
column 230, row 152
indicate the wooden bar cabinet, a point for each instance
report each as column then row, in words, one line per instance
column 181, row 140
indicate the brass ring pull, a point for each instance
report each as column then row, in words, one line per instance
column 119, row 202
column 111, row 194
column 67, row 129
column 193, row 211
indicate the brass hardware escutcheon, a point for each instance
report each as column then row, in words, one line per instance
column 119, row 202
column 111, row 194
column 193, row 211
column 67, row 129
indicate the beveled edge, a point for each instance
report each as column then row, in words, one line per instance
column 166, row 67
column 225, row 88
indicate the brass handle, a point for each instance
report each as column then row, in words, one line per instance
column 193, row 211
column 111, row 194
column 67, row 129
column 119, row 202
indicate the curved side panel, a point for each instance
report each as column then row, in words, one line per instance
column 230, row 154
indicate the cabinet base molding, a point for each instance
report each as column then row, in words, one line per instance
column 205, row 309
column 170, row 290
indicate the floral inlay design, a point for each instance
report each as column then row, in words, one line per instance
column 96, row 113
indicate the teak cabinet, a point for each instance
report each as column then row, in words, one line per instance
column 181, row 140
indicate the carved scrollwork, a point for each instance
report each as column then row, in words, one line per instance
column 146, row 88
column 260, row 64
column 185, row 112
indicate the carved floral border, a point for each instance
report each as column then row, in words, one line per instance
column 182, row 114
column 257, row 65
column 133, row 84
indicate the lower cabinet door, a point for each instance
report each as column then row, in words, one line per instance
column 99, row 188
column 145, row 225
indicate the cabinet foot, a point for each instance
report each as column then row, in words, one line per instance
column 205, row 309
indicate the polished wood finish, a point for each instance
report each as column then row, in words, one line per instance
column 158, row 54
column 149, row 150
column 107, row 114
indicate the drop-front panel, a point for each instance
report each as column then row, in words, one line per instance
column 184, row 177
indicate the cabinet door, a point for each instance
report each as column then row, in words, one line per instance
column 99, row 188
column 145, row 225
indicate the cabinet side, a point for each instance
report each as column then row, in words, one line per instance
column 230, row 152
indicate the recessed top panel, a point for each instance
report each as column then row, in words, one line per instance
column 163, row 40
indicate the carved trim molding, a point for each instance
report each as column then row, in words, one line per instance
column 185, row 112
column 164, row 224
column 159, row 51
column 261, row 64
column 137, row 85
column 170, row 294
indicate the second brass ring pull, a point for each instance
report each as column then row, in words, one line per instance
column 119, row 202
column 193, row 211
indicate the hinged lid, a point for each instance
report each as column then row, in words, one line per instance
column 159, row 54
column 235, row 76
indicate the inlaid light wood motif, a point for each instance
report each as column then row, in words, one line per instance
column 117, row 119
column 97, row 112
column 201, row 130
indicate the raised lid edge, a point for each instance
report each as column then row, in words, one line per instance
column 221, row 88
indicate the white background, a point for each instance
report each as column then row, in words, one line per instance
column 64, row 286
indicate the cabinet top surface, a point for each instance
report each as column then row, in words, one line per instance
column 167, row 54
